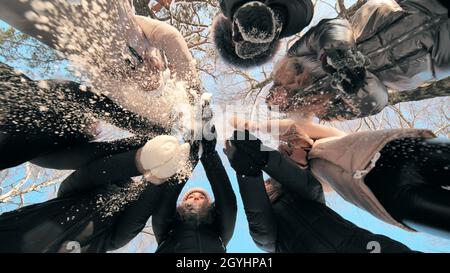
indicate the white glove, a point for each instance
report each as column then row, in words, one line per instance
column 207, row 113
column 162, row 157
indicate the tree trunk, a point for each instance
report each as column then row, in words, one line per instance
column 436, row 89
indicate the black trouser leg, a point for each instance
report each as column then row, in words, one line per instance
column 73, row 157
column 409, row 181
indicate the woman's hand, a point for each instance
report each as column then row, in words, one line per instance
column 347, row 66
column 296, row 146
column 209, row 140
column 241, row 162
column 252, row 146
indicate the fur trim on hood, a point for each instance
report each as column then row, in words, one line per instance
column 221, row 34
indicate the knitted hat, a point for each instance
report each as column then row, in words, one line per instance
column 199, row 190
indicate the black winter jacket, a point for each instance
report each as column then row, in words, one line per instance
column 177, row 236
column 298, row 220
column 81, row 219
column 404, row 41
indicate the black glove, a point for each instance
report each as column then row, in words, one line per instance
column 209, row 141
column 240, row 161
column 193, row 155
column 347, row 66
column 249, row 144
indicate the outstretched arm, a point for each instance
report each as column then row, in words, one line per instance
column 165, row 214
column 318, row 131
column 225, row 200
column 134, row 217
column 281, row 126
column 53, row 21
column 277, row 165
column 287, row 173
column 225, row 204
column 111, row 112
column 106, row 109
column 20, row 15
column 259, row 211
column 100, row 172
column 111, row 168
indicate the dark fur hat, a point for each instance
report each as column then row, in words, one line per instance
column 257, row 22
column 222, row 37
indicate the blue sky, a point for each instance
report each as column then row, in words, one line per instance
column 242, row 242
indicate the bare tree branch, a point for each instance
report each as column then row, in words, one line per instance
column 342, row 9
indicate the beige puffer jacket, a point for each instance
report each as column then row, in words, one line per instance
column 343, row 162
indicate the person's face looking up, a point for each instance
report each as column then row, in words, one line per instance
column 196, row 201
